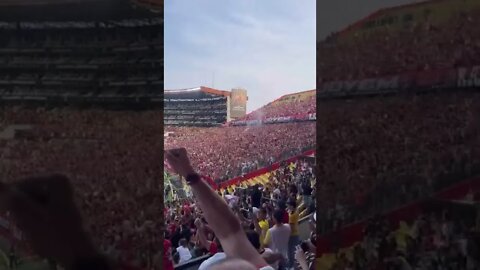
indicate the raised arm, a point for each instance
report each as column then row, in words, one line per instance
column 221, row 219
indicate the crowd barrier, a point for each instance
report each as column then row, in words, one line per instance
column 274, row 166
column 349, row 235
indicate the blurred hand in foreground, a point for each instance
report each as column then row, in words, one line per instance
column 43, row 208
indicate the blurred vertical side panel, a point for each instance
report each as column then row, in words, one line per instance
column 81, row 92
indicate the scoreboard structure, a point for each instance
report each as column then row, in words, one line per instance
column 203, row 106
column 238, row 103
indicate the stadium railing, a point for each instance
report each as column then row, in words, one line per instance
column 274, row 166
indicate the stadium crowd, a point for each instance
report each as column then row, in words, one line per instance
column 437, row 239
column 423, row 44
column 285, row 108
column 369, row 147
column 112, row 159
column 227, row 152
column 270, row 215
column 381, row 152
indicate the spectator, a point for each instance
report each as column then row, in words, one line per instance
column 262, row 225
column 278, row 236
column 184, row 251
column 167, row 255
column 294, row 240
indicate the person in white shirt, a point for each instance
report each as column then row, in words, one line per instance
column 217, row 258
column 183, row 251
column 278, row 236
column 232, row 200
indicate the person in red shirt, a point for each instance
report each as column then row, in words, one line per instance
column 171, row 226
column 212, row 246
column 285, row 216
column 186, row 208
column 167, row 255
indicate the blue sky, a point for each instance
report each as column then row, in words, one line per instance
column 265, row 46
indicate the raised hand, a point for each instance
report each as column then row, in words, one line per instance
column 177, row 160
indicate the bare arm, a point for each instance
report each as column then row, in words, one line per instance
column 217, row 213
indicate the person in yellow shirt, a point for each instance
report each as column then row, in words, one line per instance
column 261, row 225
column 294, row 240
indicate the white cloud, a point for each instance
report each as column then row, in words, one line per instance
column 244, row 45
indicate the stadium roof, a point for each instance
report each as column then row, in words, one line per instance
column 76, row 10
column 313, row 91
column 297, row 93
column 292, row 94
column 204, row 89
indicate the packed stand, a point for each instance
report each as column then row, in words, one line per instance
column 420, row 45
column 382, row 152
column 290, row 105
column 226, row 152
column 112, row 160
column 270, row 215
column 195, row 113
column 119, row 58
